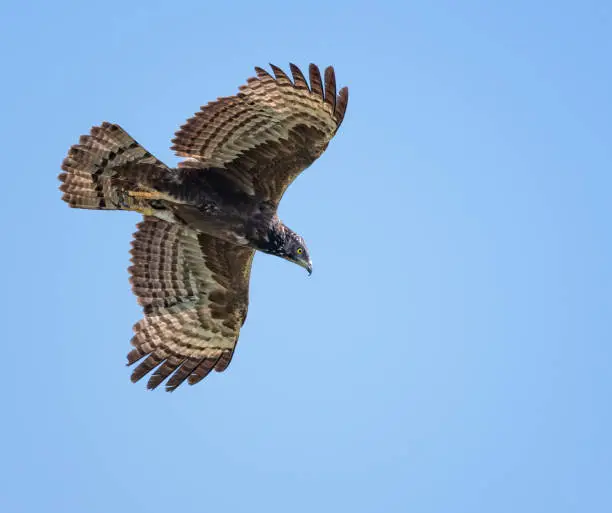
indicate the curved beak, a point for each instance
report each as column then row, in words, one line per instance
column 309, row 267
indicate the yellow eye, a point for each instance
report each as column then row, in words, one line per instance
column 300, row 251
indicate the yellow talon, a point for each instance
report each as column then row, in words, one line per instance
column 146, row 195
column 145, row 211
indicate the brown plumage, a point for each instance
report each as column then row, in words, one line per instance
column 204, row 220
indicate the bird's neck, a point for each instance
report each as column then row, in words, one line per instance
column 270, row 238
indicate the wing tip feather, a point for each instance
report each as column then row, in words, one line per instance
column 279, row 75
column 316, row 85
column 330, row 87
column 341, row 104
column 299, row 81
column 262, row 74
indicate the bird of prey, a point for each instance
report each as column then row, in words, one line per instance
column 204, row 220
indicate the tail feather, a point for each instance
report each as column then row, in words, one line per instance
column 92, row 176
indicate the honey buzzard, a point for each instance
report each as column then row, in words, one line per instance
column 204, row 220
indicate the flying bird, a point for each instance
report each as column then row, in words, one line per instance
column 204, row 220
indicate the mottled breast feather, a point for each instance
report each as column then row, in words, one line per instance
column 267, row 133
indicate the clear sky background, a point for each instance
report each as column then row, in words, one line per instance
column 451, row 351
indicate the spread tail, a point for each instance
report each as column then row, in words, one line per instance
column 102, row 171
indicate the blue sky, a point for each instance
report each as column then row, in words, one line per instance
column 451, row 351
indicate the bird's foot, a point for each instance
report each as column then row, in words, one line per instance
column 137, row 201
column 148, row 195
column 147, row 211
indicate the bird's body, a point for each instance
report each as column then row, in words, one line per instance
column 206, row 201
column 205, row 219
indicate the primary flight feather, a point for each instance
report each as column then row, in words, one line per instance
column 204, row 220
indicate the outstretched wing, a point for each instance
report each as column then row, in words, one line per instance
column 194, row 289
column 269, row 132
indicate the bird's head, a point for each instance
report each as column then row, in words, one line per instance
column 278, row 240
column 285, row 243
column 294, row 249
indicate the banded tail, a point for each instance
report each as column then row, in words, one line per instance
column 102, row 171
